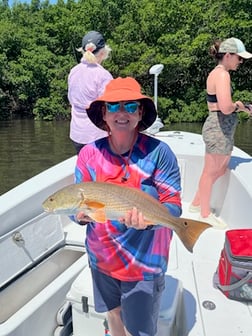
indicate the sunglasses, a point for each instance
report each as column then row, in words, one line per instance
column 130, row 106
column 239, row 57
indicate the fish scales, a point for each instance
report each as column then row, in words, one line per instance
column 102, row 201
column 124, row 199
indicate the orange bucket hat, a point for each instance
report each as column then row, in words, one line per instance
column 123, row 89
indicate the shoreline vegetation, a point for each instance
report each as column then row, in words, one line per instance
column 38, row 42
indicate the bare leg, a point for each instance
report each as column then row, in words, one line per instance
column 215, row 166
column 127, row 333
column 116, row 326
column 196, row 200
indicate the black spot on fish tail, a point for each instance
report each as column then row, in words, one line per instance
column 189, row 231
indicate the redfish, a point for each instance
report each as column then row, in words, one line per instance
column 102, row 201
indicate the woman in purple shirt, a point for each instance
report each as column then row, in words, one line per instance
column 86, row 82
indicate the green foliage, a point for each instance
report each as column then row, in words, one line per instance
column 38, row 44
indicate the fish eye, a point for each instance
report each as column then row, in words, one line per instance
column 185, row 224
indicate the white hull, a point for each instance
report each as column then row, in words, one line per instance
column 43, row 292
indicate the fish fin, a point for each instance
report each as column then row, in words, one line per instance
column 92, row 204
column 95, row 210
column 190, row 231
column 98, row 216
column 147, row 222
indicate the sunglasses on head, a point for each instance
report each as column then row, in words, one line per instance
column 129, row 106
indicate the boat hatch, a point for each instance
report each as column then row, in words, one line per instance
column 28, row 244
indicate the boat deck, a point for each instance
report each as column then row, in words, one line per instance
column 214, row 313
column 204, row 311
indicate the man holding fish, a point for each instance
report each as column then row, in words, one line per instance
column 128, row 188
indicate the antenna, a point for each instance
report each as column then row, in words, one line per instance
column 155, row 70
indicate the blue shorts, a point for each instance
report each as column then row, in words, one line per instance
column 139, row 301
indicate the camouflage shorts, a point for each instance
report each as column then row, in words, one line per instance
column 218, row 132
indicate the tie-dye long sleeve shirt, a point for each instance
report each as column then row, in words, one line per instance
column 125, row 253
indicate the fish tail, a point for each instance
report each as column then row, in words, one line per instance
column 190, row 231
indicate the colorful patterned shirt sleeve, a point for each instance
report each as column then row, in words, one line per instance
column 130, row 254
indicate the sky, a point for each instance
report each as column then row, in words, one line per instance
column 27, row 1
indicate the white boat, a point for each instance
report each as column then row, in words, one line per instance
column 44, row 269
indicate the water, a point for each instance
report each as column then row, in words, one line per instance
column 243, row 134
column 28, row 147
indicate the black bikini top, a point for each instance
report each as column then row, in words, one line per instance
column 211, row 98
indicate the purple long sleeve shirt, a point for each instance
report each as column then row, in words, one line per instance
column 86, row 82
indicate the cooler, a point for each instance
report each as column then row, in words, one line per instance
column 87, row 322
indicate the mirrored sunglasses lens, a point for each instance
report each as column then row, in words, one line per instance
column 112, row 108
column 131, row 107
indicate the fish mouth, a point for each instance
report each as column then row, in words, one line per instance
column 48, row 210
column 60, row 211
column 52, row 210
